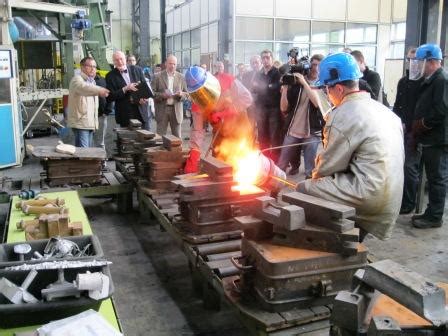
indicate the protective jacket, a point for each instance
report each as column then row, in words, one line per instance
column 407, row 94
column 361, row 164
column 83, row 103
column 432, row 106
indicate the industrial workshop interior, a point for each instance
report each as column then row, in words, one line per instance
column 223, row 167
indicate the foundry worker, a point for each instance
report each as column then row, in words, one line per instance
column 83, row 103
column 430, row 130
column 361, row 164
column 222, row 101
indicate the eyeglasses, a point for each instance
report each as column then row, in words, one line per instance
column 90, row 66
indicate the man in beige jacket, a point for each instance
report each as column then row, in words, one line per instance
column 170, row 91
column 83, row 103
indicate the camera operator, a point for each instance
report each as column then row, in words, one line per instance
column 299, row 102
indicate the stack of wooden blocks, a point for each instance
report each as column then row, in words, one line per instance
column 145, row 139
column 164, row 162
column 51, row 225
column 131, row 144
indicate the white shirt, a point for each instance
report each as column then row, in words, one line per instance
column 170, row 101
column 125, row 75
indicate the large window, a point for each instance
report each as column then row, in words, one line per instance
column 169, row 45
column 254, row 28
column 245, row 50
column 177, row 42
column 327, row 32
column 185, row 59
column 325, row 49
column 282, row 49
column 195, row 56
column 369, row 53
column 195, row 38
column 361, row 33
column 186, row 40
column 398, row 35
column 292, row 30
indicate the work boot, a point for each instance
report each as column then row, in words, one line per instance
column 406, row 210
column 423, row 222
column 293, row 171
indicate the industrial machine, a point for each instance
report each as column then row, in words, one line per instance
column 50, row 39
column 11, row 144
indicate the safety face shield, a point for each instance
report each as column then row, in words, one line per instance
column 208, row 94
column 324, row 103
column 416, row 69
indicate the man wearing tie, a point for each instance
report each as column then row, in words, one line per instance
column 121, row 81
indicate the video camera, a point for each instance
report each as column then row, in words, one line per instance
column 296, row 65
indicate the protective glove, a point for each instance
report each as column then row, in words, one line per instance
column 192, row 163
column 215, row 117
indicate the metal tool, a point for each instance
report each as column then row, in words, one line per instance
column 53, row 120
column 61, row 248
column 17, row 294
column 355, row 312
column 60, row 288
column 97, row 284
column 289, row 184
column 291, row 145
column 21, row 250
column 59, row 264
column 215, row 136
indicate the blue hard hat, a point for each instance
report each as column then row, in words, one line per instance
column 337, row 68
column 195, row 78
column 429, row 51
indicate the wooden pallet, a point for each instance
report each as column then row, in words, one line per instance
column 214, row 275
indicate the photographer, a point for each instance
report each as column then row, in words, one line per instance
column 300, row 105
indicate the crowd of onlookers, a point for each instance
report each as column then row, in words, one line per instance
column 281, row 114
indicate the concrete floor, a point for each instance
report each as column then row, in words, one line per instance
column 153, row 291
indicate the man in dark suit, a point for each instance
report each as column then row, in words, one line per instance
column 121, row 81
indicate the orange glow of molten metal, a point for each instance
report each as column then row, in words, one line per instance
column 244, row 159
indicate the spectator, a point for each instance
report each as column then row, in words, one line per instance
column 121, row 81
column 157, row 69
column 430, row 130
column 104, row 109
column 371, row 77
column 131, row 60
column 170, row 91
column 248, row 81
column 266, row 85
column 83, row 103
column 363, row 86
column 407, row 94
column 304, row 119
column 241, row 71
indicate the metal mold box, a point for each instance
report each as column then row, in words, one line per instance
column 9, row 258
column 284, row 277
column 14, row 315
